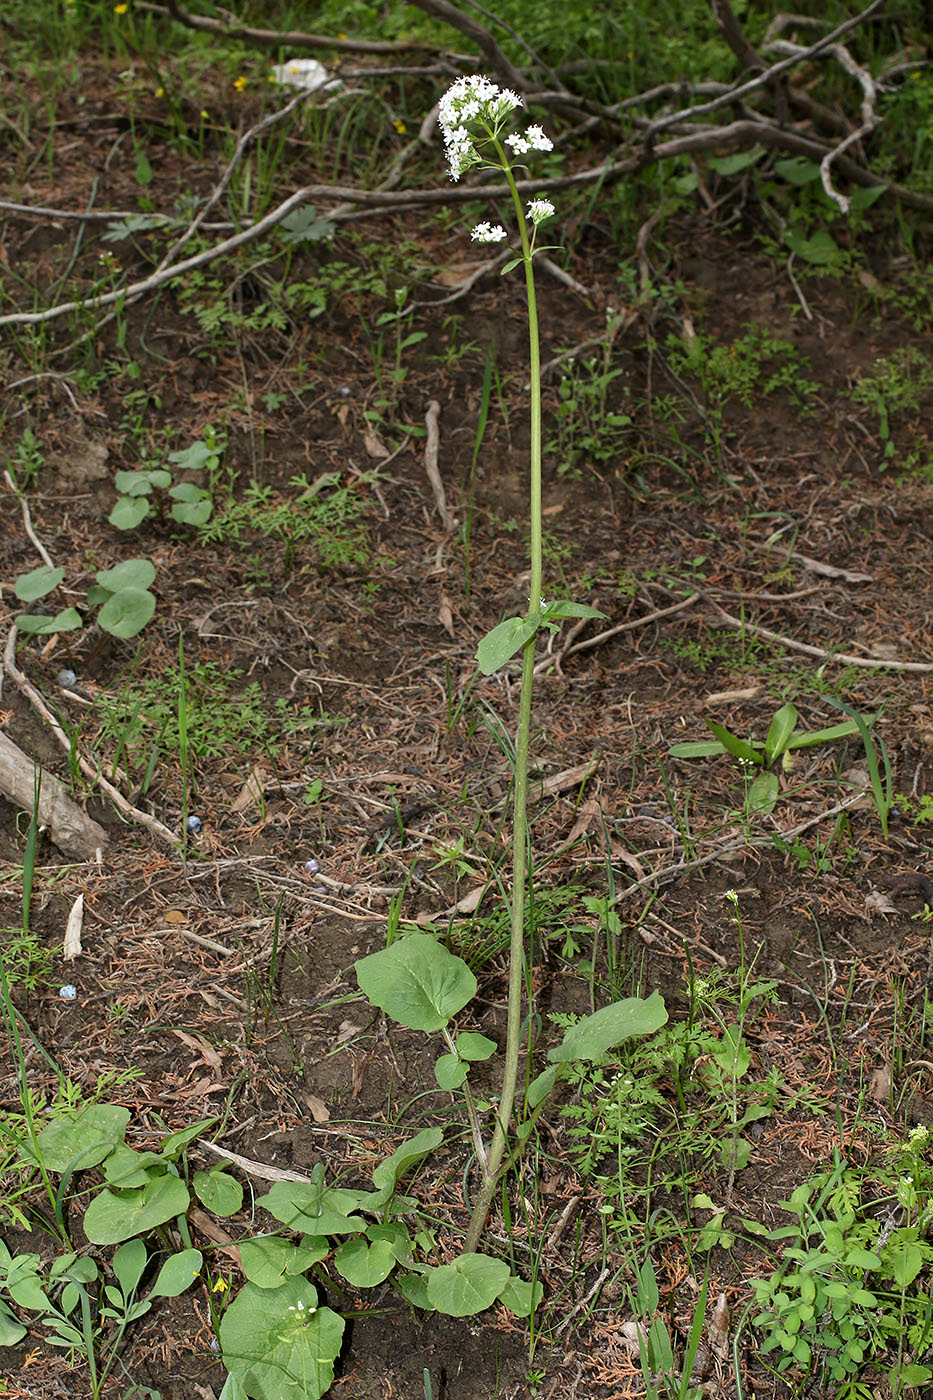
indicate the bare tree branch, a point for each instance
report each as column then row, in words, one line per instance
column 276, row 38
column 495, row 57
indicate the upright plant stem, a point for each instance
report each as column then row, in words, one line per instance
column 522, row 743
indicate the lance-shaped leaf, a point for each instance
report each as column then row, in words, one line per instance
column 501, row 644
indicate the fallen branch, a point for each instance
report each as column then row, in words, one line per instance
column 71, row 830
column 923, row 668
column 431, row 446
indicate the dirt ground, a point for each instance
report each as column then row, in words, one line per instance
column 225, row 979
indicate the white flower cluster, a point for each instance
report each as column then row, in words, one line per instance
column 488, row 233
column 539, row 210
column 471, row 99
column 532, row 139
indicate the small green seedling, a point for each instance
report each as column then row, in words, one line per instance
column 141, row 491
column 782, row 739
column 122, row 594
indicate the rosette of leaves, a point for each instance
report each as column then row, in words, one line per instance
column 140, row 490
column 121, row 593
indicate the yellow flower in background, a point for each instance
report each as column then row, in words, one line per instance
column 160, row 92
column 240, row 82
column 120, row 9
column 400, row 126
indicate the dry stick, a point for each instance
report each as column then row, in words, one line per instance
column 763, row 79
column 706, row 139
column 444, row 10
column 430, row 465
column 27, row 522
column 276, row 38
column 601, row 637
column 922, row 668
column 869, row 118
column 740, row 843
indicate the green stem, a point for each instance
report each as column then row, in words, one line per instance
column 522, row 743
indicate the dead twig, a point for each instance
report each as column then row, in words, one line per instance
column 430, row 465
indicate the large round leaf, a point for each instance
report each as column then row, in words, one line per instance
column 83, row 1141
column 469, row 1285
column 278, row 1344
column 127, row 612
column 132, row 573
column 417, row 982
column 38, row 582
column 112, row 1217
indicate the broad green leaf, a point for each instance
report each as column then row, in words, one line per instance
column 128, row 1264
column 127, row 1169
column 862, row 1259
column 264, row 1260
column 904, row 1262
column 564, row 608
column 129, row 512
column 521, row 1298
column 29, row 587
column 219, row 1191
column 540, row 1087
column 278, row 1344
column 313, row 1208
column 780, row 731
column 41, row 625
column 173, row 1146
column 396, row 1235
column 739, row 748
column 111, row 1218
column 821, row 250
column 732, row 165
column 126, row 613
column 910, row 1376
column 697, row 748
column 365, row 1265
column 194, row 512
column 763, row 793
column 826, row 736
column 85, row 1140
column 141, row 483
column 11, row 1329
column 414, row 1289
column 177, row 1273
column 192, row 459
column 468, row 1285
column 797, row 170
column 590, row 1038
column 473, row 1046
column 501, row 644
column 132, row 573
column 450, row 1072
column 389, row 1172
column 417, row 982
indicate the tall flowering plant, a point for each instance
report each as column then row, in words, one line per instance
column 476, row 118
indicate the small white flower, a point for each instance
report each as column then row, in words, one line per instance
column 539, row 209
column 488, row 233
column 518, row 143
column 731, row 896
column 537, row 140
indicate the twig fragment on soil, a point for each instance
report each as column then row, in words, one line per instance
column 257, row 1169
column 431, row 446
column 738, row 624
column 547, row 662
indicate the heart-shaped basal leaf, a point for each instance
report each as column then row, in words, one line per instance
column 129, row 512
column 473, row 1046
column 219, row 1191
column 590, row 1038
column 501, row 644
column 112, row 1216
column 314, row 1209
column 142, row 483
column 417, row 982
column 29, row 587
column 132, row 573
column 468, row 1285
column 278, row 1344
column 193, row 505
column 84, row 1141
column 365, row 1265
column 450, row 1072
column 521, row 1298
column 127, row 612
column 41, row 625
